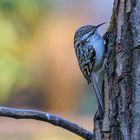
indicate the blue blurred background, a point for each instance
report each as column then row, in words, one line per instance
column 38, row 66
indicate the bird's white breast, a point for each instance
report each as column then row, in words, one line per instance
column 97, row 42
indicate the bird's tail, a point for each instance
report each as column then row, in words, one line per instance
column 99, row 95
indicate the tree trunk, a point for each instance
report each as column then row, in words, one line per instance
column 121, row 119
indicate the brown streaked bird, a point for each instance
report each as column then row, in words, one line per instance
column 90, row 51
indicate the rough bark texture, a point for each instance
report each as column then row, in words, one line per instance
column 121, row 119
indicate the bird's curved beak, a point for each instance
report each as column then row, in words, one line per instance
column 100, row 25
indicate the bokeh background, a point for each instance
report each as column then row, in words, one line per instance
column 38, row 66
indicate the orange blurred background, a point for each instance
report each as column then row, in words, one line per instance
column 38, row 66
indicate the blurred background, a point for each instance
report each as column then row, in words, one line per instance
column 38, row 66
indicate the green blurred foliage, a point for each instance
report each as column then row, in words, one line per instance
column 24, row 14
column 18, row 19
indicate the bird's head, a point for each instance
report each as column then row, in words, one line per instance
column 85, row 32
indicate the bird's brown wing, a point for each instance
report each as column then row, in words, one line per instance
column 86, row 57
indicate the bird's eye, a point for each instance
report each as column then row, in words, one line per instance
column 93, row 32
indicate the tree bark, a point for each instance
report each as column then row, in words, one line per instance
column 121, row 119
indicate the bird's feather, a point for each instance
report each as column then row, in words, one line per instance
column 97, row 89
column 86, row 57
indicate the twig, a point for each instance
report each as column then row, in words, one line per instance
column 47, row 117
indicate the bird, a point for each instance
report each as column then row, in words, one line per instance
column 90, row 51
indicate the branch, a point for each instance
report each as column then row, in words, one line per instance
column 46, row 117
